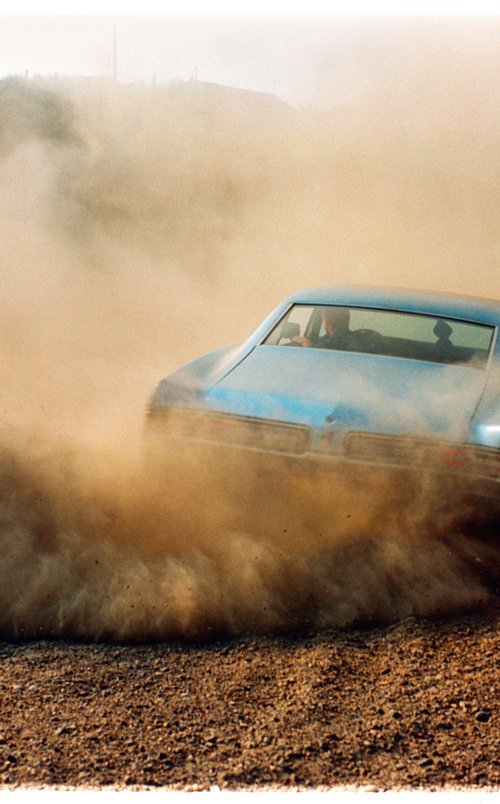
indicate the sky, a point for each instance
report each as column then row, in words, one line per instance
column 254, row 46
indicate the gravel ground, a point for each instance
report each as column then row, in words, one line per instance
column 412, row 705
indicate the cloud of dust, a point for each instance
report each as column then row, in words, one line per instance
column 91, row 552
column 144, row 226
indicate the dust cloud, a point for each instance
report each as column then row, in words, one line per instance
column 105, row 552
column 142, row 226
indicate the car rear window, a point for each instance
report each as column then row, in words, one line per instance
column 384, row 332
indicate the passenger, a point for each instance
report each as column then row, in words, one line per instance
column 337, row 333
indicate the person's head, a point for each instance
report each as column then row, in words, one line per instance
column 336, row 319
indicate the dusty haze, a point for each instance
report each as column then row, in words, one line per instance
column 143, row 226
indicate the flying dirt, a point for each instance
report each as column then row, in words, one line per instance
column 94, row 553
column 136, row 237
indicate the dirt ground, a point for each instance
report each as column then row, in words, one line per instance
column 411, row 705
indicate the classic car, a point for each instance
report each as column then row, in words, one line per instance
column 410, row 380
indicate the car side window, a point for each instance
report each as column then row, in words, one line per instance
column 295, row 322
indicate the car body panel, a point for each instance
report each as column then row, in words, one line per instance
column 355, row 390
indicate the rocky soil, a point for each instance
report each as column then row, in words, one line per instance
column 411, row 705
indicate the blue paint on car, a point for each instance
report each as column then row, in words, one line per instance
column 443, row 386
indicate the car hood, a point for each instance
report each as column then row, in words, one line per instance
column 328, row 389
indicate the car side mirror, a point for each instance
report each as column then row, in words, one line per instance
column 290, row 330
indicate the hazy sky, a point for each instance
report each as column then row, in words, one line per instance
column 255, row 47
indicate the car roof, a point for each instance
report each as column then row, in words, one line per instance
column 454, row 305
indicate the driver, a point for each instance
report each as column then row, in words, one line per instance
column 337, row 333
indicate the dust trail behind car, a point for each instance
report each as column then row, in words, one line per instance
column 93, row 548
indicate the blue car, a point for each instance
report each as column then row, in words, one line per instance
column 349, row 377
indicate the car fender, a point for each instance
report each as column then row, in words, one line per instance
column 186, row 385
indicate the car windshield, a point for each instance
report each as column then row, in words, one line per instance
column 384, row 332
